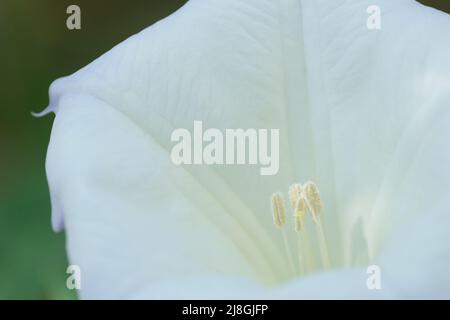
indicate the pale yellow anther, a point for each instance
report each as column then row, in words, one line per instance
column 295, row 191
column 279, row 219
column 300, row 214
column 278, row 209
column 298, row 204
column 313, row 200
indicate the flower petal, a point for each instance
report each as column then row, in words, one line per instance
column 136, row 223
column 378, row 91
column 231, row 64
column 343, row 284
column 416, row 254
column 132, row 217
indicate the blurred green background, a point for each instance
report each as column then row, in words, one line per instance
column 35, row 49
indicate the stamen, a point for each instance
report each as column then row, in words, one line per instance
column 303, row 198
column 313, row 199
column 279, row 219
column 299, row 214
column 295, row 192
column 304, row 247
column 314, row 204
column 299, row 219
column 322, row 244
column 279, row 212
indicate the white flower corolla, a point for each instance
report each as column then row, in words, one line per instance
column 362, row 113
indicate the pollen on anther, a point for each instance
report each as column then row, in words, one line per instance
column 299, row 214
column 313, row 198
column 295, row 191
column 279, row 211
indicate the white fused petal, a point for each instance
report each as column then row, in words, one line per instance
column 380, row 91
column 226, row 63
column 132, row 217
column 416, row 255
column 351, row 103
column 343, row 284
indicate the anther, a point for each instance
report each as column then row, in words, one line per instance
column 279, row 219
column 299, row 214
column 278, row 209
column 313, row 200
column 314, row 204
column 295, row 192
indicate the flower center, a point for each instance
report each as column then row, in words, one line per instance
column 303, row 199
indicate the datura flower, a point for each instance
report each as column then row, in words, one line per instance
column 364, row 120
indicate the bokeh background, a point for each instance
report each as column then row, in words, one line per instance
column 35, row 49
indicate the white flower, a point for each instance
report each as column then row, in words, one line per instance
column 363, row 113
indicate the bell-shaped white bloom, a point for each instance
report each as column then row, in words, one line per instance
column 363, row 112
